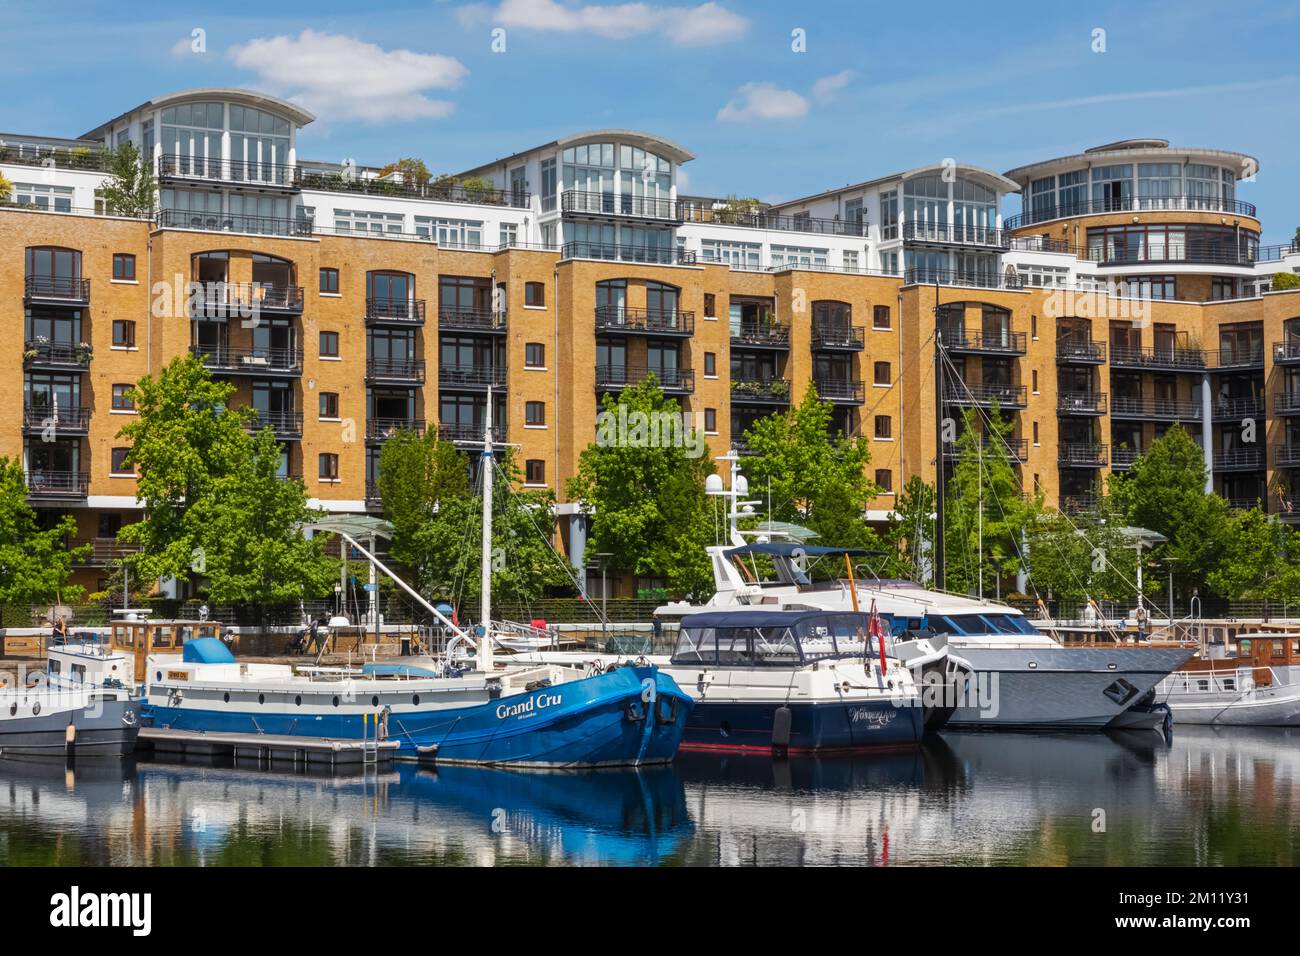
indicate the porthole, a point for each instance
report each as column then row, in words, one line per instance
column 158, row 675
column 13, row 710
column 415, row 699
column 36, row 708
column 374, row 701
column 226, row 697
column 336, row 701
column 298, row 700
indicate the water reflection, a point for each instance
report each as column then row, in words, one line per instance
column 1210, row 797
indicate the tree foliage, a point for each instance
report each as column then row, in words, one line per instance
column 813, row 478
column 413, row 171
column 1072, row 560
column 34, row 562
column 646, row 495
column 1284, row 280
column 130, row 188
column 911, row 529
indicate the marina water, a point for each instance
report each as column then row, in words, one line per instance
column 1208, row 797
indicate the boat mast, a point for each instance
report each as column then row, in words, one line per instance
column 483, row 655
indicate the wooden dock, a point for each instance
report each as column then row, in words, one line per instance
column 267, row 748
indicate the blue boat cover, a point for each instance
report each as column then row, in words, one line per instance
column 760, row 618
column 395, row 670
column 789, row 549
column 206, row 650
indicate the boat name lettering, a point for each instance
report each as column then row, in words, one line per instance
column 526, row 707
column 177, row 675
column 862, row 715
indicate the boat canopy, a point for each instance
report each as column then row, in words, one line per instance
column 772, row 638
column 790, row 549
column 206, row 650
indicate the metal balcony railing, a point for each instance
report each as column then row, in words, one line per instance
column 774, row 391
column 620, row 376
column 1160, row 408
column 760, row 335
column 439, row 190
column 1081, row 403
column 1164, row 358
column 1249, row 459
column 249, row 361
column 103, row 551
column 471, row 320
column 1075, row 352
column 1286, row 402
column 1131, row 204
column 245, row 298
column 399, row 311
column 1006, row 396
column 471, row 376
column 381, row 429
column 71, row 290
column 1235, row 409
column 657, row 255
column 619, row 204
column 469, row 433
column 833, row 336
column 407, row 371
column 57, row 484
column 179, row 166
column 1001, row 343
column 56, row 355
column 1015, row 449
column 1082, row 455
column 284, row 424
column 944, row 233
column 63, row 420
column 614, row 318
column 250, row 225
column 841, row 390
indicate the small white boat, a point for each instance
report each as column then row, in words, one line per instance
column 1254, row 681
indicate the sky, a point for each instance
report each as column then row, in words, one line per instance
column 776, row 99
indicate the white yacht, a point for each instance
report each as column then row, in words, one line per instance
column 1253, row 680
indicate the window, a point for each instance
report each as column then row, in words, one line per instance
column 711, row 421
column 329, row 404
column 124, row 333
column 885, row 480
column 1035, row 378
column 124, row 266
column 119, row 465
column 535, row 471
column 710, row 363
column 710, row 306
column 508, row 235
column 121, row 399
column 535, row 294
column 850, row 260
column 1035, row 433
column 534, row 355
column 451, row 233
column 329, row 281
column 880, row 317
column 1033, row 327
column 738, row 255
column 535, row 414
column 361, row 222
column 882, row 373
column 328, row 466
column 884, row 426
column 329, row 345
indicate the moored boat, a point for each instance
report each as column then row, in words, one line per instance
column 1253, row 680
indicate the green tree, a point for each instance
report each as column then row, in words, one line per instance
column 414, row 172
column 1285, row 280
column 130, row 188
column 814, row 478
column 184, row 439
column 1071, row 559
column 1165, row 492
column 34, row 563
column 1259, row 560
column 250, row 528
column 911, row 531
column 420, row 478
column 645, row 490
column 6, row 189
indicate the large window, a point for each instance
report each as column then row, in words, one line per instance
column 191, row 132
column 450, row 233
column 1172, row 243
column 738, row 255
column 259, row 145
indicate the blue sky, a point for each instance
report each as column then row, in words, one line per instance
column 880, row 87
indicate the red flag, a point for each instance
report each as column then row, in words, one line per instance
column 877, row 629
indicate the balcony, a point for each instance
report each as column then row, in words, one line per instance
column 773, row 391
column 104, row 552
column 1015, row 449
column 962, row 342
column 50, row 422
column 475, row 378
column 485, row 321
column 1191, row 252
column 614, row 252
column 752, row 217
column 1285, row 455
column 470, row 434
column 1079, row 504
column 1248, row 359
column 50, row 357
column 1159, row 359
column 669, row 323
column 286, row 425
column 403, row 312
column 611, row 378
column 985, row 395
column 1074, row 352
column 841, row 391
column 45, row 157
column 1081, row 403
column 244, row 299
column 261, row 363
column 1286, row 353
column 1134, row 204
column 834, row 337
column 408, row 372
column 1286, row 402
column 178, row 168
column 1159, row 409
column 381, row 429
column 57, row 485
column 1239, row 459
column 1082, row 455
column 1121, row 459
column 947, row 234
column 963, row 279
column 57, row 290
column 440, row 190
column 246, row 225
column 579, row 203
column 1235, row 409
column 757, row 335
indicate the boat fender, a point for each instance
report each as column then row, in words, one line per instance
column 633, row 712
column 781, row 721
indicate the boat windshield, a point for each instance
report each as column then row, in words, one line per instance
column 978, row 624
column 811, row 638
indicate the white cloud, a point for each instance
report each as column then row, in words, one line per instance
column 826, row 87
column 342, row 77
column 702, row 25
column 763, row 101
column 182, row 47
